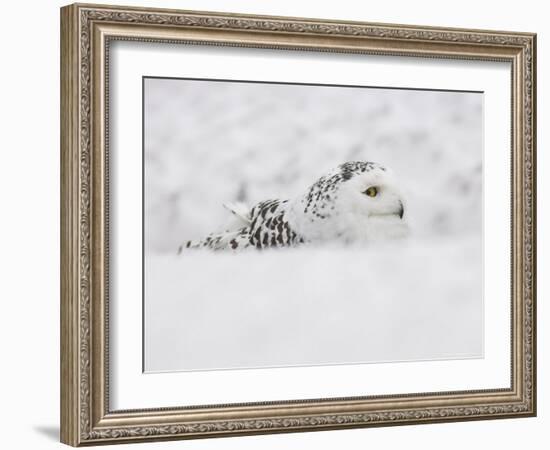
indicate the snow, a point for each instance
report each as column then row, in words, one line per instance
column 392, row 302
column 209, row 143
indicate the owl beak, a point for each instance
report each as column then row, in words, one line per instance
column 401, row 210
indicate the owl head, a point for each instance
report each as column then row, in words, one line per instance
column 358, row 200
column 370, row 190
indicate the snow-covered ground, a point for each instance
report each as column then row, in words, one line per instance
column 391, row 302
column 207, row 143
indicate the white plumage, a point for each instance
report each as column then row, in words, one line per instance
column 356, row 202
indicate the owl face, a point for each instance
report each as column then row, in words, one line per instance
column 372, row 194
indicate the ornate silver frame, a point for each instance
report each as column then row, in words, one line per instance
column 86, row 31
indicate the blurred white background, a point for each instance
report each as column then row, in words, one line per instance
column 208, row 143
column 30, row 233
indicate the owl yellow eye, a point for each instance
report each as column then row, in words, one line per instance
column 372, row 191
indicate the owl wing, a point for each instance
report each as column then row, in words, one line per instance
column 263, row 226
column 234, row 240
column 269, row 226
column 235, row 236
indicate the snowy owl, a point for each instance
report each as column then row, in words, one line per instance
column 358, row 201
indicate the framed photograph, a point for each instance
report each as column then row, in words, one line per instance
column 275, row 224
